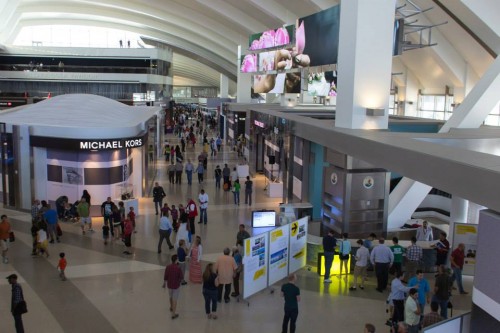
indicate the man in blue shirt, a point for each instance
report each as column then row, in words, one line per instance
column 382, row 258
column 50, row 217
column 423, row 289
column 329, row 243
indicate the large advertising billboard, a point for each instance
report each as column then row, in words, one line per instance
column 298, row 244
column 278, row 254
column 255, row 264
column 317, row 37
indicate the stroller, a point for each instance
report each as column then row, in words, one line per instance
column 70, row 212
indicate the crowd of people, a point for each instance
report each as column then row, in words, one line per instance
column 410, row 291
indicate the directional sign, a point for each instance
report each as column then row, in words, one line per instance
column 295, row 228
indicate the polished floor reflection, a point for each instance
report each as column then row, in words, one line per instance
column 107, row 291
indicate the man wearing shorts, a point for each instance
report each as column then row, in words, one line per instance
column 172, row 279
column 4, row 238
column 83, row 210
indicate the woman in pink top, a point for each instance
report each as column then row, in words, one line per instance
column 195, row 261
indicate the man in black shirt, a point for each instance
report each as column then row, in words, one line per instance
column 329, row 243
column 226, row 172
column 218, row 175
column 248, row 191
column 442, row 291
column 158, row 195
column 291, row 293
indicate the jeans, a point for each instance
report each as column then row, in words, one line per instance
column 457, row 276
column 443, row 306
column 210, row 298
column 164, row 234
column 236, row 197
column 290, row 316
column 248, row 197
column 18, row 322
column 217, row 182
column 52, row 231
column 236, row 283
column 227, row 291
column 189, row 175
column 158, row 205
column 203, row 215
column 200, row 178
column 328, row 263
column 192, row 226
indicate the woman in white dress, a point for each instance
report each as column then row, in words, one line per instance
column 182, row 233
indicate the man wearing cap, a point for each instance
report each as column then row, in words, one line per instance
column 4, row 238
column 16, row 306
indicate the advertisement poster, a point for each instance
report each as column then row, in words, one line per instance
column 298, row 244
column 254, row 264
column 467, row 234
column 278, row 254
column 317, row 37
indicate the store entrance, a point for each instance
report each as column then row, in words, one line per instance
column 259, row 156
column 8, row 169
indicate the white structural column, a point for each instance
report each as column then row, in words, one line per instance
column 470, row 114
column 458, row 214
column 364, row 62
column 224, row 86
column 244, row 84
column 479, row 102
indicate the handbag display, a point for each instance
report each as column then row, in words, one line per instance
column 12, row 237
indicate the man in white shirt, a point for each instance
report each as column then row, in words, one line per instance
column 165, row 231
column 360, row 268
column 203, row 200
column 412, row 312
column 424, row 233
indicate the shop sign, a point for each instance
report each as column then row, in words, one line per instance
column 259, row 123
column 88, row 144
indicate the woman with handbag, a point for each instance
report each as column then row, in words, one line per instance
column 210, row 284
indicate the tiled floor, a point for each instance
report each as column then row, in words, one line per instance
column 107, row 291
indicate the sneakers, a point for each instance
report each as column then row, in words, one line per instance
column 327, row 281
column 175, row 316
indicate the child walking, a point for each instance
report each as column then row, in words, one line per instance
column 131, row 217
column 62, row 266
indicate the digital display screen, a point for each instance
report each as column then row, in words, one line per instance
column 262, row 219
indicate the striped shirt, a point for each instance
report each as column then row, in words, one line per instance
column 414, row 253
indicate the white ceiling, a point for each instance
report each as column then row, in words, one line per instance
column 206, row 33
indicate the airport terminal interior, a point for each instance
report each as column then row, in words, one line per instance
column 386, row 117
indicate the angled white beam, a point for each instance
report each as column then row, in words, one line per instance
column 276, row 10
column 408, row 195
column 324, row 4
column 443, row 53
column 234, row 14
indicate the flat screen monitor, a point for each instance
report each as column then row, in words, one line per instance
column 262, row 219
